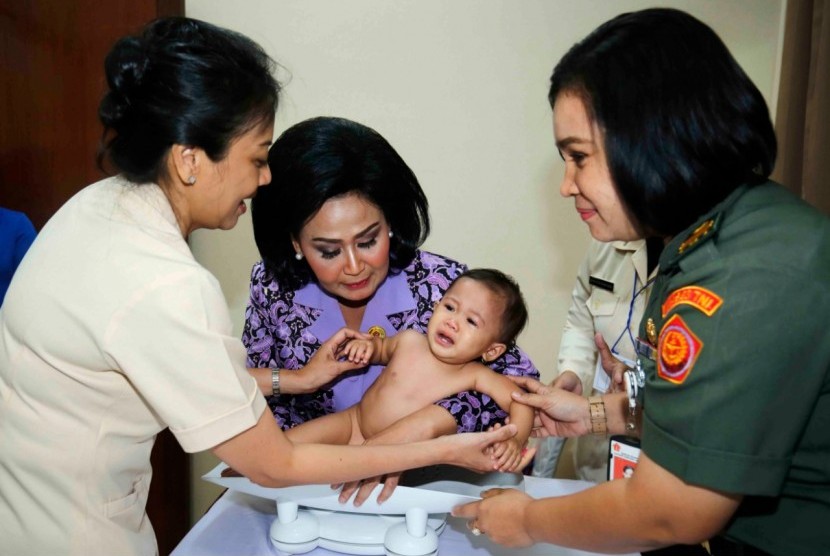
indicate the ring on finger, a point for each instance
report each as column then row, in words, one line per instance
column 473, row 525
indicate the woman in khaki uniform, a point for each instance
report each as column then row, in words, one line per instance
column 611, row 291
column 112, row 331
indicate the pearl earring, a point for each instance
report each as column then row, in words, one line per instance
column 298, row 256
column 390, row 234
column 191, row 180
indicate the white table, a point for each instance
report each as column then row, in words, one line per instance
column 237, row 524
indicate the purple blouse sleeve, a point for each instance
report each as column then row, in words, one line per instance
column 273, row 338
column 257, row 335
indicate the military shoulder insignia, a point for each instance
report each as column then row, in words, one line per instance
column 377, row 332
column 678, row 350
column 699, row 233
column 701, row 299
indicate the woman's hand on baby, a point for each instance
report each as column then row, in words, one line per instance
column 473, row 449
column 328, row 363
column 538, row 430
column 559, row 412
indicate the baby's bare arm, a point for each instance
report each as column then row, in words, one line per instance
column 500, row 388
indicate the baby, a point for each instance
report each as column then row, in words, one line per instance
column 479, row 316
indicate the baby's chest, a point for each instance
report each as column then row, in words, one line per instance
column 420, row 381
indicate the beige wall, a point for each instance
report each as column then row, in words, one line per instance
column 459, row 88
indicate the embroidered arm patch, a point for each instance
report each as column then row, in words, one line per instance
column 701, row 299
column 678, row 348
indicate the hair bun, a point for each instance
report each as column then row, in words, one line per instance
column 125, row 67
column 167, row 86
column 126, row 64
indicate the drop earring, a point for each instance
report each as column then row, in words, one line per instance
column 298, row 256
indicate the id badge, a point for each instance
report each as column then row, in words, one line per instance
column 602, row 382
column 623, row 453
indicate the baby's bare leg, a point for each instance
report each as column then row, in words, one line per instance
column 334, row 428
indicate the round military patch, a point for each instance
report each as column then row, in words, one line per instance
column 377, row 332
column 678, row 348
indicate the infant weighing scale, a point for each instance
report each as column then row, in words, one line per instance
column 407, row 524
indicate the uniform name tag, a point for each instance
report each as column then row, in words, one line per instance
column 601, row 284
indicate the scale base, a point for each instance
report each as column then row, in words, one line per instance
column 349, row 533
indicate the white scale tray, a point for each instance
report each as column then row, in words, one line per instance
column 361, row 530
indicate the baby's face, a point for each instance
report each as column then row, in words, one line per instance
column 466, row 322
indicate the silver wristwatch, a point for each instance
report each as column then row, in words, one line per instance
column 275, row 382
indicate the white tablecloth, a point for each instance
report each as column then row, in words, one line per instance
column 237, row 524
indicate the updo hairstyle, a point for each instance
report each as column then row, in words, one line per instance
column 181, row 81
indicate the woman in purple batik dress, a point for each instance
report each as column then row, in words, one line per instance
column 338, row 230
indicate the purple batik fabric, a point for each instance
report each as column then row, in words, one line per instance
column 277, row 334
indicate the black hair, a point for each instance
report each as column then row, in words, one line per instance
column 181, row 81
column 322, row 158
column 683, row 124
column 514, row 317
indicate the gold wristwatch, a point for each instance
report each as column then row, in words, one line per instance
column 599, row 421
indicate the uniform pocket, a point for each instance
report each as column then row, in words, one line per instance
column 602, row 303
column 128, row 512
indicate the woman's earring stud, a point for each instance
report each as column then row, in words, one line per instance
column 391, row 234
column 191, row 180
column 298, row 256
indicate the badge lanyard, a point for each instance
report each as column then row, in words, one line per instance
column 634, row 294
column 624, row 449
column 602, row 381
column 634, row 379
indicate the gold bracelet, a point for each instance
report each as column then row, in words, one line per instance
column 599, row 421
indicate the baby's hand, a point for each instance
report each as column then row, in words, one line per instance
column 508, row 455
column 358, row 351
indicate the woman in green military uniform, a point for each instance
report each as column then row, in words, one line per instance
column 663, row 135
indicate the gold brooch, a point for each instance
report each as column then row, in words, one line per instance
column 651, row 331
column 377, row 332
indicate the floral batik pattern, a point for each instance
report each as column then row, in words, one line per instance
column 276, row 336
